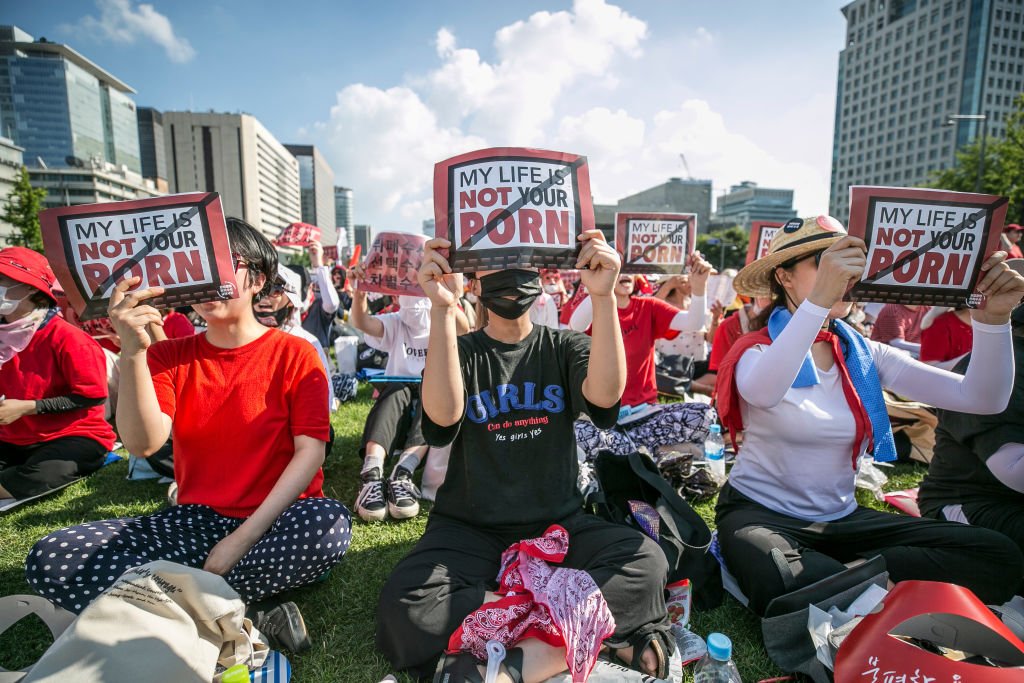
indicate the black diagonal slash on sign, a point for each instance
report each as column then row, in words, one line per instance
column 927, row 246
column 683, row 225
column 507, row 212
column 141, row 254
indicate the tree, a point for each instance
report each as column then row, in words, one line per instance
column 1004, row 166
column 724, row 248
column 22, row 211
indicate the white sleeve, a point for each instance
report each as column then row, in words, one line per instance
column 903, row 345
column 983, row 390
column 692, row 319
column 328, row 295
column 385, row 341
column 1007, row 465
column 765, row 374
column 583, row 316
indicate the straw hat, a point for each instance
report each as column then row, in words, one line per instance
column 798, row 237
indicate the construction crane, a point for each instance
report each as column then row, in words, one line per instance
column 686, row 167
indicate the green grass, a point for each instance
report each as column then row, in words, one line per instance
column 339, row 612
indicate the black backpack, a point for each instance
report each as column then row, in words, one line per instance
column 684, row 536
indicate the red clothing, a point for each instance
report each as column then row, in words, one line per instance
column 60, row 360
column 729, row 330
column 896, row 321
column 177, row 325
column 642, row 321
column 235, row 414
column 1014, row 251
column 949, row 337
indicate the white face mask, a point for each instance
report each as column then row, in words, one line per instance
column 551, row 288
column 414, row 311
column 9, row 305
column 471, row 297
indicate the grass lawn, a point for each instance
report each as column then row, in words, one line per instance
column 339, row 612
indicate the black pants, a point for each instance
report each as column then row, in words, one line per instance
column 772, row 554
column 394, row 420
column 27, row 471
column 1002, row 515
column 446, row 574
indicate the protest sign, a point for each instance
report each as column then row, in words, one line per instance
column 512, row 208
column 392, row 263
column 298, row 235
column 178, row 242
column 924, row 246
column 761, row 234
column 655, row 242
column 720, row 289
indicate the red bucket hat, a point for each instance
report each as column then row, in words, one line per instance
column 28, row 267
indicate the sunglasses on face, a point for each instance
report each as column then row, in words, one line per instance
column 792, row 262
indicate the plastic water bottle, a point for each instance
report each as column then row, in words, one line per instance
column 717, row 665
column 714, row 453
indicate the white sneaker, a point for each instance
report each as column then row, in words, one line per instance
column 403, row 496
column 370, row 504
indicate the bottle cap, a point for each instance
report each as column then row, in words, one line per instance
column 720, row 647
column 239, row 673
column 715, row 429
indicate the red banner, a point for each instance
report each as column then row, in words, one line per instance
column 298, row 235
column 392, row 264
column 761, row 234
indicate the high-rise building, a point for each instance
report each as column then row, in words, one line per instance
column 428, row 227
column 93, row 182
column 152, row 148
column 316, row 190
column 675, row 196
column 11, row 162
column 747, row 202
column 233, row 154
column 908, row 66
column 343, row 213
column 60, row 106
column 363, row 236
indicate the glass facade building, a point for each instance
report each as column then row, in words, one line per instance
column 316, row 190
column 746, row 202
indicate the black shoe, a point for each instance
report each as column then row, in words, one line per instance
column 403, row 496
column 283, row 628
column 370, row 503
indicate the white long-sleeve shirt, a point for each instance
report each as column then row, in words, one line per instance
column 328, row 295
column 795, row 457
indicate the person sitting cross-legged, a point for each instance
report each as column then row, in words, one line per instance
column 246, row 406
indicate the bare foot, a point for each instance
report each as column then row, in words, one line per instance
column 648, row 661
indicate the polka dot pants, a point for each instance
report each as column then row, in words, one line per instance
column 73, row 566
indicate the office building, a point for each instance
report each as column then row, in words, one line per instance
column 428, row 227
column 233, row 154
column 675, row 196
column 747, row 202
column 343, row 214
column 316, row 190
column 91, row 183
column 59, row 106
column 11, row 162
column 363, row 236
column 909, row 65
column 152, row 148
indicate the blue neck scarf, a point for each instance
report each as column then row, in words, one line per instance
column 863, row 375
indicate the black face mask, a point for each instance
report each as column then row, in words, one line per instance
column 524, row 285
column 275, row 319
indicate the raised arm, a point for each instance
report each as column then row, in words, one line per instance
column 359, row 314
column 606, row 370
column 443, row 394
column 329, row 300
column 142, row 426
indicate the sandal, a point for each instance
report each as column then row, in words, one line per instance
column 462, row 667
column 647, row 637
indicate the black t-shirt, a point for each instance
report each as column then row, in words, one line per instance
column 964, row 443
column 513, row 458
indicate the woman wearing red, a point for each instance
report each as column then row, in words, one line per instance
column 53, row 381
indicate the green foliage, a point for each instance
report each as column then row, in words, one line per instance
column 298, row 257
column 22, row 211
column 732, row 240
column 1004, row 166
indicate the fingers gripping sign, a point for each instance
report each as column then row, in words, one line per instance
column 841, row 264
column 598, row 262
column 439, row 283
column 129, row 316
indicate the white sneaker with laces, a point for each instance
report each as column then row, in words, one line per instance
column 370, row 503
column 403, row 495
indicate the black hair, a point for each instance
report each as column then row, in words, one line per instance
column 41, row 300
column 257, row 252
column 778, row 296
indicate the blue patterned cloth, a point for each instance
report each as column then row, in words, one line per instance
column 863, row 375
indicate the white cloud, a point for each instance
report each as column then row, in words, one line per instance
column 121, row 22
column 384, row 142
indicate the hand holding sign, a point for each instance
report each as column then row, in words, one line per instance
column 841, row 264
column 130, row 319
column 598, row 263
column 700, row 270
column 1003, row 289
column 441, row 286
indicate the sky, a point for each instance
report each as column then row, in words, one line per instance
column 745, row 89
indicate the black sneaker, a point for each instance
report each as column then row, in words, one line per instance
column 403, row 495
column 370, row 504
column 283, row 627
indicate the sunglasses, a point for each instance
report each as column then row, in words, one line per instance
column 792, row 262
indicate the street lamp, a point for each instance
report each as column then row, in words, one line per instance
column 714, row 241
column 953, row 119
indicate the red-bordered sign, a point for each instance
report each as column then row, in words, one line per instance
column 298, row 235
column 178, row 242
column 924, row 246
column 761, row 234
column 655, row 242
column 511, row 207
column 392, row 264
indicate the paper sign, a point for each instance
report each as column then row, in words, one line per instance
column 512, row 208
column 392, row 263
column 330, row 253
column 178, row 242
column 298, row 235
column 655, row 242
column 761, row 234
column 720, row 289
column 924, row 246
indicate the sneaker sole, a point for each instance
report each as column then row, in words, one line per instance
column 403, row 513
column 295, row 617
column 372, row 515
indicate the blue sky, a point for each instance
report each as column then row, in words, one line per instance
column 745, row 88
